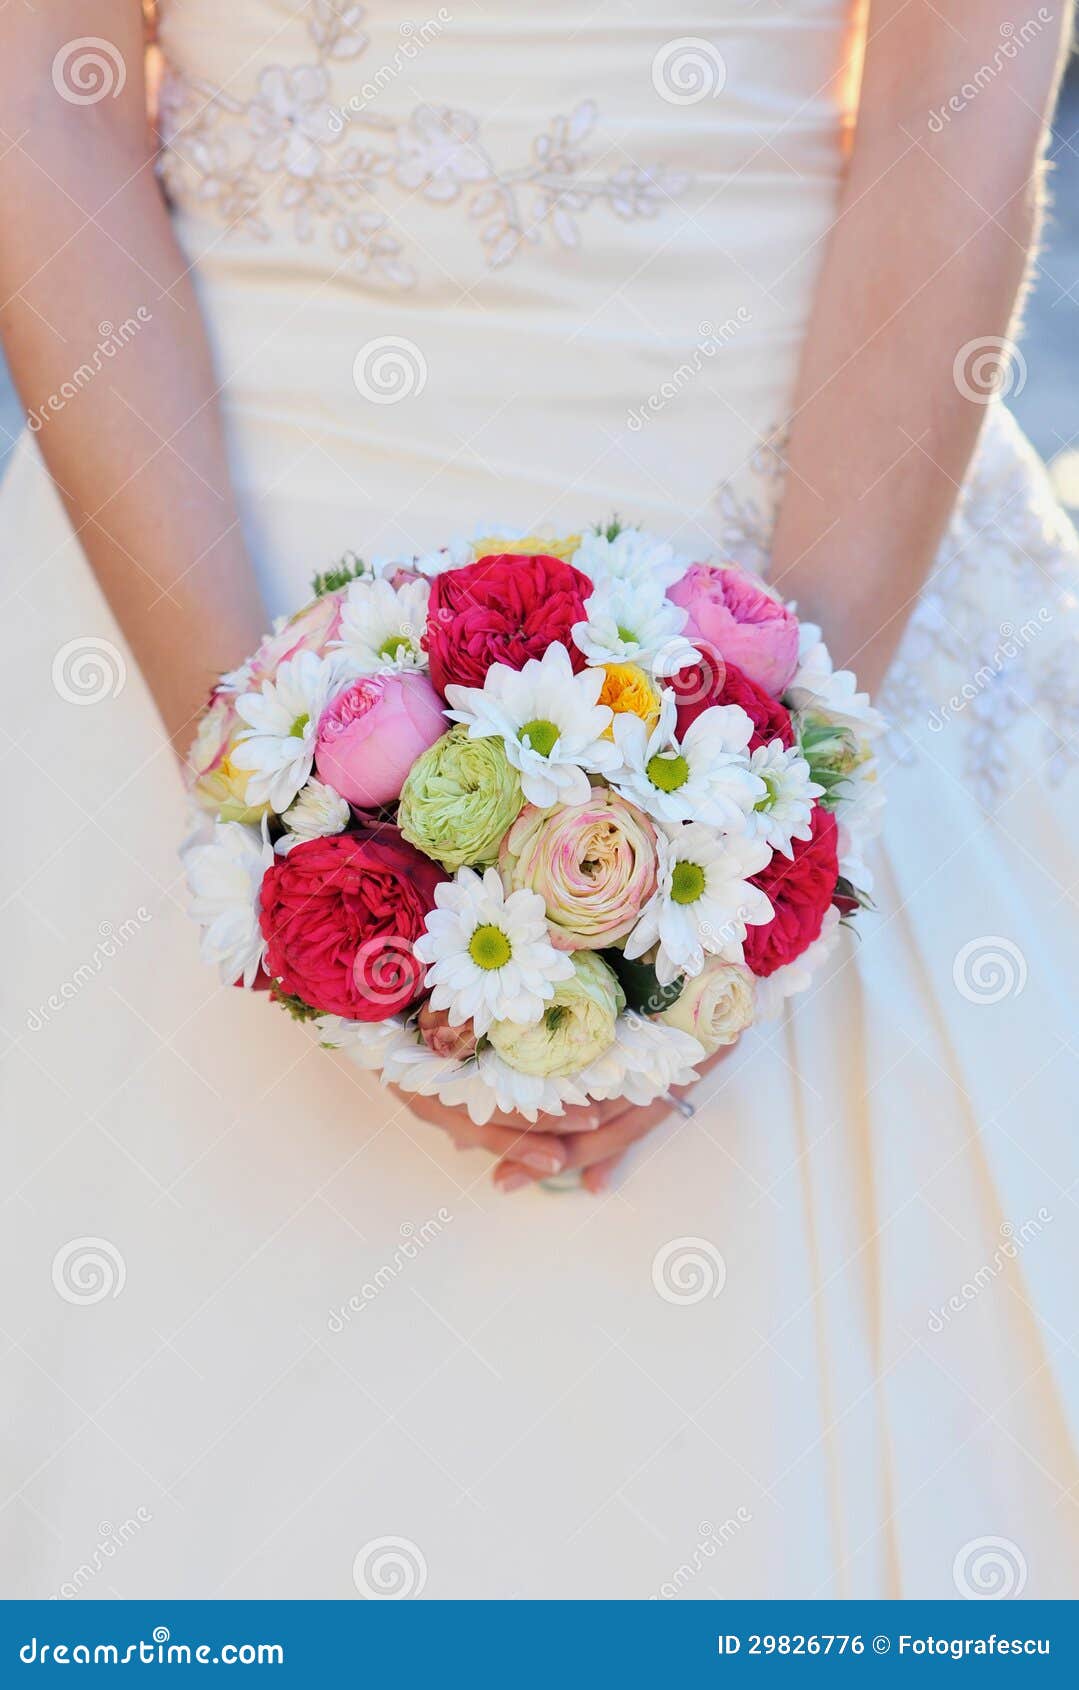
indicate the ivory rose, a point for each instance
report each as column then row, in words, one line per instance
column 717, row 1006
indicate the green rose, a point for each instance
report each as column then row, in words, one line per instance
column 459, row 800
column 576, row 1026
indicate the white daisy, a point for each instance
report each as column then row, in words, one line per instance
column 316, row 812
column 548, row 719
column 381, row 626
column 785, row 811
column 646, row 1059
column 489, row 957
column 634, row 556
column 278, row 745
column 832, row 692
column 703, row 901
column 453, row 556
column 224, row 876
column 630, row 622
column 703, row 777
column 796, row 976
column 369, row 1044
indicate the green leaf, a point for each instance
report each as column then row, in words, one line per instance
column 350, row 568
column 638, row 980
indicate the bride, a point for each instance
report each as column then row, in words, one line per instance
column 747, row 279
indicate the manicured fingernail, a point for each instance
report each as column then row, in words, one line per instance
column 543, row 1162
column 601, row 1182
column 591, row 1122
column 513, row 1182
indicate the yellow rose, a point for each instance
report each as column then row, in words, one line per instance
column 627, row 690
column 224, row 791
column 530, row 545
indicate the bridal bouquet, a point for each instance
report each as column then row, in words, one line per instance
column 526, row 821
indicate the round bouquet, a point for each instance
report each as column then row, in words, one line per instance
column 530, row 821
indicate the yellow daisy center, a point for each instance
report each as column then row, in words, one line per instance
column 687, row 883
column 541, row 735
column 666, row 773
column 489, row 948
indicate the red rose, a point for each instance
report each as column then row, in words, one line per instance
column 712, row 681
column 801, row 891
column 502, row 609
column 339, row 917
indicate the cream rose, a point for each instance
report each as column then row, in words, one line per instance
column 576, row 1027
column 716, row 1007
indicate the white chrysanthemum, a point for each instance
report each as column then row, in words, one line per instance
column 703, row 900
column 645, row 1061
column 369, row 1044
column 489, row 956
column 314, row 814
column 453, row 556
column 631, row 622
column 278, row 744
column 785, row 812
column 634, row 556
column 548, row 719
column 776, row 988
column 704, row 777
column 858, row 806
column 832, row 692
column 237, row 680
column 381, row 626
column 224, row 876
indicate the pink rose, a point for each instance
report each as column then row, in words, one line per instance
column 311, row 629
column 730, row 612
column 370, row 735
column 593, row 864
column 451, row 1043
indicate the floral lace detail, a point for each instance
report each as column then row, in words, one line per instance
column 288, row 149
column 990, row 649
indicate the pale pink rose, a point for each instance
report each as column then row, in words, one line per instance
column 370, row 735
column 311, row 629
column 730, row 612
column 594, row 866
column 456, row 1043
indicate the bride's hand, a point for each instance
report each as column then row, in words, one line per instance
column 592, row 1139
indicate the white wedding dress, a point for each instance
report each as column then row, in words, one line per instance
column 536, row 263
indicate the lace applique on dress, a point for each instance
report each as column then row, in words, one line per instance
column 989, row 651
column 288, row 149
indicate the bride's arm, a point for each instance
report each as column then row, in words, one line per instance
column 927, row 257
column 135, row 446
